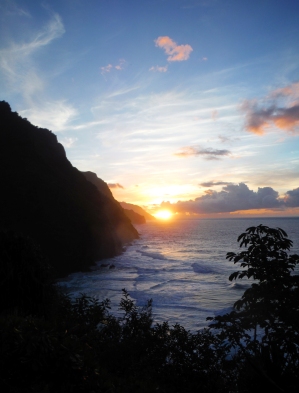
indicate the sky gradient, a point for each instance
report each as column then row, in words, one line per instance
column 191, row 105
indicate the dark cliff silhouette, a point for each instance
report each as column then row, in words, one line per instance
column 99, row 183
column 135, row 218
column 44, row 197
column 137, row 209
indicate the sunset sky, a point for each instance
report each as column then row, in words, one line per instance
column 192, row 105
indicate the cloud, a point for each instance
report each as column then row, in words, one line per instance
column 115, row 185
column 208, row 153
column 212, row 183
column 292, row 198
column 214, row 114
column 224, row 138
column 234, row 198
column 159, row 69
column 106, row 69
column 279, row 108
column 9, row 7
column 54, row 115
column 68, row 142
column 291, row 90
column 120, row 66
column 16, row 60
column 175, row 52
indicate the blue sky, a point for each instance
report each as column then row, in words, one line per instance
column 188, row 104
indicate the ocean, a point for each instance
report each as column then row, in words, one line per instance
column 180, row 265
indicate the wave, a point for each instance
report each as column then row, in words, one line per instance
column 237, row 285
column 202, row 269
column 153, row 255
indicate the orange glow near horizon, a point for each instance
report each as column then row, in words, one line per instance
column 163, row 214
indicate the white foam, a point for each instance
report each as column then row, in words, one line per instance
column 202, row 268
column 181, row 266
column 153, row 255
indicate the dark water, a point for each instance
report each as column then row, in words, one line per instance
column 181, row 265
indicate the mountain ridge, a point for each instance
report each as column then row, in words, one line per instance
column 137, row 209
column 49, row 200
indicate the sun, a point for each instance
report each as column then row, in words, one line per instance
column 163, row 214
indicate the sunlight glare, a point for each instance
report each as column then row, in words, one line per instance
column 163, row 214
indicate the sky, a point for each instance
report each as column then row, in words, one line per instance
column 188, row 105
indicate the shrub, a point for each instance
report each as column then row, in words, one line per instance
column 264, row 325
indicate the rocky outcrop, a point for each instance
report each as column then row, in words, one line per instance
column 45, row 197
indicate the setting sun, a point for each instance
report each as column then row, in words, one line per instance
column 163, row 214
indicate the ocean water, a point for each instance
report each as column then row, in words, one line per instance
column 181, row 265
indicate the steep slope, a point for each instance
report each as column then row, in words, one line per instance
column 99, row 183
column 135, row 217
column 45, row 197
column 137, row 209
column 102, row 187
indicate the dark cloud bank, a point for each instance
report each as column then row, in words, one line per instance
column 234, row 197
column 208, row 153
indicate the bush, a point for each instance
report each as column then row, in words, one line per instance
column 264, row 326
column 81, row 347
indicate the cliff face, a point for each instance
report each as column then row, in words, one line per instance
column 99, row 183
column 45, row 197
column 102, row 187
column 135, row 217
column 137, row 209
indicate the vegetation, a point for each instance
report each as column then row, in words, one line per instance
column 81, row 347
column 264, row 326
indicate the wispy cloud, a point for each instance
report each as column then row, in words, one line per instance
column 224, row 138
column 120, row 66
column 159, row 68
column 54, row 115
column 208, row 153
column 287, row 91
column 16, row 60
column 68, row 141
column 175, row 52
column 115, row 185
column 214, row 183
column 9, row 7
column 280, row 108
column 214, row 114
column 106, row 69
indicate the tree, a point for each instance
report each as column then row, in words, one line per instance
column 264, row 324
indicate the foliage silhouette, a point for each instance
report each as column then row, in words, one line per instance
column 81, row 347
column 265, row 322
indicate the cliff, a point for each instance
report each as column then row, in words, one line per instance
column 135, row 217
column 99, row 183
column 137, row 209
column 102, row 187
column 45, row 197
